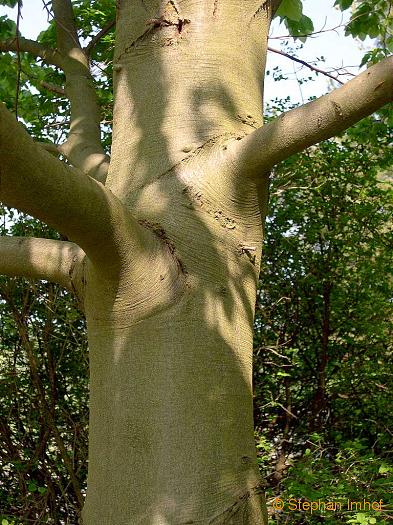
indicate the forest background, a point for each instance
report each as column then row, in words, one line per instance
column 323, row 329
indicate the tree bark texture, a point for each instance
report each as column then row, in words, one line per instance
column 171, row 430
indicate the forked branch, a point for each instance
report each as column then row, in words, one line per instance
column 35, row 182
column 83, row 147
column 318, row 120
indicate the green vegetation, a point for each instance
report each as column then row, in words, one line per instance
column 43, row 396
column 324, row 360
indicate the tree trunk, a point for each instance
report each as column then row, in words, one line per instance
column 171, row 429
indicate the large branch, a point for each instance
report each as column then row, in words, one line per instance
column 83, row 147
column 55, row 261
column 318, row 120
column 35, row 182
column 48, row 55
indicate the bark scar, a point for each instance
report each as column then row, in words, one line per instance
column 237, row 506
column 166, row 18
column 248, row 120
column 338, row 109
column 160, row 22
column 169, row 16
column 249, row 251
column 261, row 8
column 196, row 197
column 159, row 231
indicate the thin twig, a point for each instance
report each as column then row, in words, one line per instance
column 94, row 41
column 54, row 88
column 304, row 63
column 314, row 33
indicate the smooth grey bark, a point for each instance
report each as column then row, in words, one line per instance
column 171, row 247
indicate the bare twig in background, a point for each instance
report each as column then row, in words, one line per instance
column 304, row 63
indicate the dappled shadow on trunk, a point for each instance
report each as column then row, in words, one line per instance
column 171, row 431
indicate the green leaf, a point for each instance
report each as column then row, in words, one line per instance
column 32, row 486
column 291, row 9
column 7, row 27
column 9, row 3
column 300, row 29
column 343, row 4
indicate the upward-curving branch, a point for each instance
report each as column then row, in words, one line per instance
column 318, row 120
column 83, row 147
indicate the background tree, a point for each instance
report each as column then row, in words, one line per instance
column 166, row 358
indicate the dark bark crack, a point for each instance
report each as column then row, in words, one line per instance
column 262, row 8
column 160, row 22
column 155, row 25
column 159, row 231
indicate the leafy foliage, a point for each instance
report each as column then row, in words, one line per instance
column 373, row 19
column 346, row 477
column 9, row 3
column 324, row 358
column 298, row 24
column 43, row 396
column 45, row 112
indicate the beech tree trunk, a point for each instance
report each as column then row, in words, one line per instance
column 165, row 246
column 171, row 429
